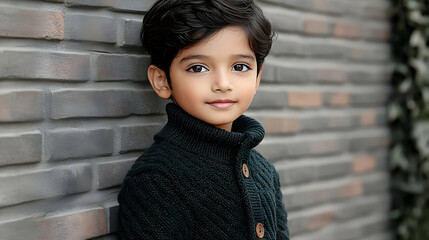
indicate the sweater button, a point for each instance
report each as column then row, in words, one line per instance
column 260, row 230
column 245, row 170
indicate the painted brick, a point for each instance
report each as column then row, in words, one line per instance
column 309, row 171
column 359, row 228
column 324, row 49
column 329, row 6
column 277, row 125
column 321, row 192
column 369, row 76
column 112, row 173
column 129, row 34
column 369, row 98
column 290, row 73
column 111, row 67
column 318, row 122
column 20, row 148
column 376, row 183
column 289, row 46
column 350, row 190
column 21, row 105
column 274, row 149
column 362, row 164
column 36, row 23
column 317, row 26
column 44, row 65
column 379, row 10
column 311, row 220
column 341, row 99
column 78, row 143
column 28, row 186
column 148, row 102
column 69, row 103
column 268, row 99
column 90, row 28
column 138, row 137
column 377, row 32
column 123, row 5
column 304, row 99
column 366, row 140
column 133, row 5
column 268, row 73
column 73, row 103
column 350, row 30
column 378, row 53
column 83, row 224
column 321, row 220
column 330, row 75
column 344, row 121
column 284, row 21
column 363, row 207
column 368, row 117
column 333, row 168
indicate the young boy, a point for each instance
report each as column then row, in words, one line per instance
column 201, row 178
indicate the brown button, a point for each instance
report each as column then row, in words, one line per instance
column 260, row 230
column 245, row 170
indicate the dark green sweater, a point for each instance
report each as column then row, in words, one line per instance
column 192, row 184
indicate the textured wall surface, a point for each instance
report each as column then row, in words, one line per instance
column 76, row 110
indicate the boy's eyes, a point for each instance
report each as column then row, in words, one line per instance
column 197, row 69
column 237, row 68
column 240, row 67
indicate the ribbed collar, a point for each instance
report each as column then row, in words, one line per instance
column 194, row 135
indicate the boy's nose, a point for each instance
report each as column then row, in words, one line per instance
column 222, row 83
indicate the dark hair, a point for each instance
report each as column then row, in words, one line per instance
column 171, row 25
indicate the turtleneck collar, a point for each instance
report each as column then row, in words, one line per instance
column 194, row 135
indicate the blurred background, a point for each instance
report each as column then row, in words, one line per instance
column 344, row 101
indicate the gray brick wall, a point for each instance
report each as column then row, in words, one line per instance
column 76, row 110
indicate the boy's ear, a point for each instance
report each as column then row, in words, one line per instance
column 158, row 80
column 258, row 78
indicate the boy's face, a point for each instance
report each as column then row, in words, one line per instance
column 215, row 80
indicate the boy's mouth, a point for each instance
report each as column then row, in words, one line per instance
column 222, row 103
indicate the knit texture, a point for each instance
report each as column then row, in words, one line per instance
column 189, row 184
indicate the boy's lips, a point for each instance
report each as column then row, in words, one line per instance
column 222, row 103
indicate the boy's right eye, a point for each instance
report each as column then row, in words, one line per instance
column 197, row 69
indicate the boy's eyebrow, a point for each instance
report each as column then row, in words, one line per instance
column 250, row 57
column 206, row 57
column 194, row 57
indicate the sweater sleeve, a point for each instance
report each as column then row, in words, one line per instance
column 149, row 208
column 282, row 228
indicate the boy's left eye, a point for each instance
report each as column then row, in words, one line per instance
column 240, row 67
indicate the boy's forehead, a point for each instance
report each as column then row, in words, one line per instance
column 230, row 40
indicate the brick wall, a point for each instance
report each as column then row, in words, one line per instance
column 76, row 111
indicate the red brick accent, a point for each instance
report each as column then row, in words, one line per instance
column 378, row 33
column 351, row 190
column 321, row 220
column 316, row 27
column 339, row 99
column 282, row 125
column 331, row 75
column 368, row 118
column 348, row 30
column 362, row 164
column 304, row 99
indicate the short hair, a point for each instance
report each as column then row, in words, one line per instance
column 172, row 25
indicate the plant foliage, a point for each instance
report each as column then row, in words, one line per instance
column 408, row 114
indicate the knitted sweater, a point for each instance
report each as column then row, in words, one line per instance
column 200, row 182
